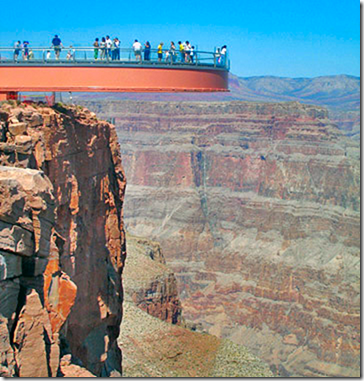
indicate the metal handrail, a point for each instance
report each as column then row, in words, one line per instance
column 78, row 55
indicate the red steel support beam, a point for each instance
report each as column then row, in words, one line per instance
column 111, row 79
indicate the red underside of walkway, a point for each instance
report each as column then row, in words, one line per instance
column 111, row 79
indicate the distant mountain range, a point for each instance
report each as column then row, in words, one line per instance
column 340, row 94
column 340, row 91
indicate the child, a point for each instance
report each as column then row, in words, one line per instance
column 70, row 54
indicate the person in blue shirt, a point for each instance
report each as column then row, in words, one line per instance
column 57, row 45
column 147, row 48
column 17, row 50
column 25, row 50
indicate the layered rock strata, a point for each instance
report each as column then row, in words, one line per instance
column 154, row 347
column 256, row 207
column 61, row 230
column 149, row 283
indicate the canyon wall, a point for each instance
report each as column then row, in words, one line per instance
column 62, row 241
column 340, row 94
column 149, row 283
column 257, row 209
column 154, row 340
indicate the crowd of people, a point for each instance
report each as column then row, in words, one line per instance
column 109, row 49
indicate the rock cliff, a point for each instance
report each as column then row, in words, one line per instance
column 339, row 93
column 62, row 243
column 256, row 207
column 154, row 347
column 149, row 283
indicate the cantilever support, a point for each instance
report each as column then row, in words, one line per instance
column 8, row 95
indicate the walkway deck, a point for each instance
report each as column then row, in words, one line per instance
column 205, row 72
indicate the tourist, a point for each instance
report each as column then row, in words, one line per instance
column 96, row 48
column 108, row 47
column 102, row 48
column 172, row 51
column 192, row 54
column 181, row 51
column 48, row 55
column 116, row 49
column 223, row 55
column 31, row 54
column 187, row 51
column 147, row 48
column 57, row 44
column 17, row 50
column 70, row 54
column 25, row 50
column 160, row 52
column 137, row 47
column 217, row 56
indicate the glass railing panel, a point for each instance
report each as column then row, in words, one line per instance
column 87, row 55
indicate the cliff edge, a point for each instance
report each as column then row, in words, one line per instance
column 62, row 242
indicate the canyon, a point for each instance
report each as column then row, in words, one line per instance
column 62, row 242
column 154, row 338
column 339, row 94
column 243, row 223
column 257, row 210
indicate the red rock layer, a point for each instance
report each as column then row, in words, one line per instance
column 80, row 155
column 29, row 343
column 256, row 207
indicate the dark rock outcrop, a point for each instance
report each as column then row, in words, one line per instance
column 149, row 283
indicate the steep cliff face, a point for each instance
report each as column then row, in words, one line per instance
column 149, row 283
column 256, row 207
column 81, row 235
column 29, row 323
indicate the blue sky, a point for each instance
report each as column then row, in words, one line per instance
column 288, row 38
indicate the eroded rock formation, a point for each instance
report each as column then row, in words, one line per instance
column 61, row 240
column 154, row 347
column 149, row 283
column 256, row 207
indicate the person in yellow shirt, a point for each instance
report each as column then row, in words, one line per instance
column 160, row 52
column 181, row 50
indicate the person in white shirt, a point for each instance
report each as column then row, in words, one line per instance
column 70, row 53
column 108, row 47
column 218, row 56
column 223, row 54
column 115, row 52
column 192, row 54
column 184, row 44
column 137, row 47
